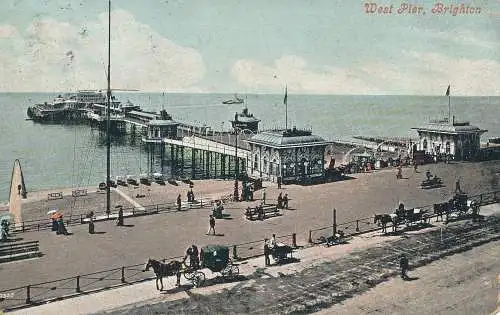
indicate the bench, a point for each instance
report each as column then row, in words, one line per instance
column 267, row 212
column 22, row 250
column 54, row 196
column 79, row 192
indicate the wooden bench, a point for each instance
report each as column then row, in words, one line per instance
column 79, row 192
column 267, row 212
column 22, row 250
column 54, row 196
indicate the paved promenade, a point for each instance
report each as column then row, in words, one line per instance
column 326, row 275
column 167, row 235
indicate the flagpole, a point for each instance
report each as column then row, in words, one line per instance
column 286, row 108
column 449, row 108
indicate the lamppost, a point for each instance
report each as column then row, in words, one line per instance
column 236, row 189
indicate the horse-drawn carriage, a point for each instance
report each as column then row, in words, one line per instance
column 212, row 257
column 408, row 217
column 459, row 206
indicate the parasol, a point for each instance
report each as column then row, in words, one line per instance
column 9, row 217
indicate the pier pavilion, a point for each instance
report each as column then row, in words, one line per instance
column 294, row 155
column 461, row 140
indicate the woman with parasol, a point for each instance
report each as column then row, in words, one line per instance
column 5, row 221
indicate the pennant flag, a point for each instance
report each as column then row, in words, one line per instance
column 448, row 91
column 286, row 95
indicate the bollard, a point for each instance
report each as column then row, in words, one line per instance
column 157, row 208
column 357, row 225
column 28, row 300
column 294, row 240
column 81, row 218
column 123, row 275
column 235, row 252
column 78, row 284
column 310, row 237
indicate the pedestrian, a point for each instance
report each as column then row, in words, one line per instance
column 192, row 195
column 458, row 190
column 119, row 222
column 266, row 252
column 264, row 197
column 91, row 226
column 403, row 263
column 280, row 201
column 285, row 201
column 212, row 225
column 179, row 202
column 279, row 182
column 273, row 241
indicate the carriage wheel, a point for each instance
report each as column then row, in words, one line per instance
column 230, row 271
column 198, row 279
column 189, row 275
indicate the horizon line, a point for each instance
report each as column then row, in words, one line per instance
column 232, row 93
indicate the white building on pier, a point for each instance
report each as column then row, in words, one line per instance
column 461, row 140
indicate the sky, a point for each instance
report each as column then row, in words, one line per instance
column 250, row 46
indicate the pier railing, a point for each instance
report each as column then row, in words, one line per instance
column 81, row 218
column 41, row 293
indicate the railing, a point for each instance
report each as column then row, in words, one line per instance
column 45, row 224
column 365, row 225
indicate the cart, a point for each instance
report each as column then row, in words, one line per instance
column 216, row 258
column 281, row 252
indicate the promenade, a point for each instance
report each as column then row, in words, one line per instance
column 327, row 275
column 169, row 234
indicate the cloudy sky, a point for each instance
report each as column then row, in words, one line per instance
column 249, row 46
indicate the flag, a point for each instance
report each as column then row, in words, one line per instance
column 448, row 91
column 286, row 95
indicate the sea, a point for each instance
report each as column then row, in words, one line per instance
column 74, row 155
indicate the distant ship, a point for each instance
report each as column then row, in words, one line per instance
column 236, row 100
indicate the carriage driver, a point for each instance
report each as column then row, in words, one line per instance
column 194, row 260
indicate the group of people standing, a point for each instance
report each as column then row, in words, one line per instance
column 282, row 201
column 190, row 198
column 58, row 226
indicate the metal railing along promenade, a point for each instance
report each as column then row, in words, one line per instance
column 39, row 293
column 45, row 224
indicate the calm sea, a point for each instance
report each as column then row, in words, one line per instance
column 54, row 156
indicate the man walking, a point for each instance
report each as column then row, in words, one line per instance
column 263, row 196
column 212, row 225
column 403, row 263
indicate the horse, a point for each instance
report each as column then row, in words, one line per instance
column 383, row 219
column 164, row 270
column 443, row 208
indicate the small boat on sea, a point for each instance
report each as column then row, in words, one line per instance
column 236, row 100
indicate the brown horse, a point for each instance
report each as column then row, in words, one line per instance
column 164, row 270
